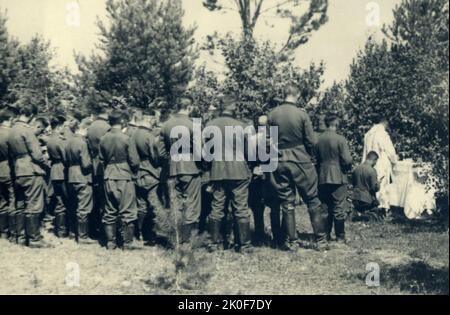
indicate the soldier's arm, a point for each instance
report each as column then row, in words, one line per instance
column 309, row 137
column 133, row 156
column 374, row 184
column 345, row 156
column 85, row 158
column 161, row 145
column 34, row 150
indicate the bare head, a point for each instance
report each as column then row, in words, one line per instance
column 372, row 158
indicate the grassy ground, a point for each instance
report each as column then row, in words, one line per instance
column 413, row 259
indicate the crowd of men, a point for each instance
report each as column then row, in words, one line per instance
column 96, row 177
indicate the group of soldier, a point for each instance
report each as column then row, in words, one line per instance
column 98, row 174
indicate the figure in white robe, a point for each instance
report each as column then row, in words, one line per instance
column 378, row 140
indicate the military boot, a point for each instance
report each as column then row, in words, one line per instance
column 12, row 228
column 32, row 227
column 245, row 245
column 128, row 237
column 319, row 222
column 290, row 230
column 4, row 226
column 83, row 233
column 339, row 227
column 110, row 234
column 60, row 225
column 214, row 233
column 21, row 238
column 140, row 233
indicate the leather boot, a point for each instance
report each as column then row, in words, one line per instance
column 140, row 226
column 4, row 226
column 110, row 234
column 32, row 227
column 245, row 245
column 186, row 231
column 60, row 225
column 329, row 226
column 339, row 227
column 128, row 237
column 21, row 238
column 290, row 230
column 83, row 233
column 214, row 233
column 319, row 222
column 12, row 228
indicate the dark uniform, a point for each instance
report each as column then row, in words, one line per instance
column 334, row 161
column 230, row 179
column 365, row 186
column 147, row 177
column 121, row 161
column 29, row 165
column 58, row 198
column 296, row 170
column 6, row 187
column 185, row 177
column 79, row 179
column 95, row 132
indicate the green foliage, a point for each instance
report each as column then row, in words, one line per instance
column 258, row 76
column 146, row 54
column 407, row 81
column 8, row 67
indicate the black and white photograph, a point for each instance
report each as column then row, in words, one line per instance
column 244, row 149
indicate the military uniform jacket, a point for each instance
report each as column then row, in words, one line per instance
column 119, row 156
column 5, row 165
column 25, row 151
column 295, row 133
column 55, row 149
column 146, row 146
column 333, row 158
column 365, row 183
column 78, row 160
column 187, row 167
column 229, row 170
column 96, row 131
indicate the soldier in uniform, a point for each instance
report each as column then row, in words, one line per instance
column 79, row 179
column 230, row 178
column 296, row 170
column 121, row 161
column 334, row 161
column 56, row 153
column 6, row 180
column 99, row 127
column 29, row 164
column 184, row 172
column 148, row 176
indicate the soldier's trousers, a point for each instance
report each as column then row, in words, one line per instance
column 237, row 191
column 188, row 193
column 7, row 204
column 84, row 200
column 290, row 177
column 334, row 198
column 144, row 186
column 30, row 194
column 120, row 202
column 58, row 198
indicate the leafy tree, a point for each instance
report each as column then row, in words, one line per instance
column 407, row 81
column 256, row 75
column 146, row 54
column 251, row 12
column 331, row 101
column 8, row 67
column 36, row 82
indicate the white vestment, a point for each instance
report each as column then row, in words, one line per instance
column 378, row 140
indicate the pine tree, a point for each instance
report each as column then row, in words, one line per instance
column 8, row 67
column 146, row 54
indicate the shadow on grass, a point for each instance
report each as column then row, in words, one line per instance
column 416, row 277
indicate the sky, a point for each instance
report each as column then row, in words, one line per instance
column 336, row 43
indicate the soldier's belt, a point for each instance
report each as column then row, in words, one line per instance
column 286, row 146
